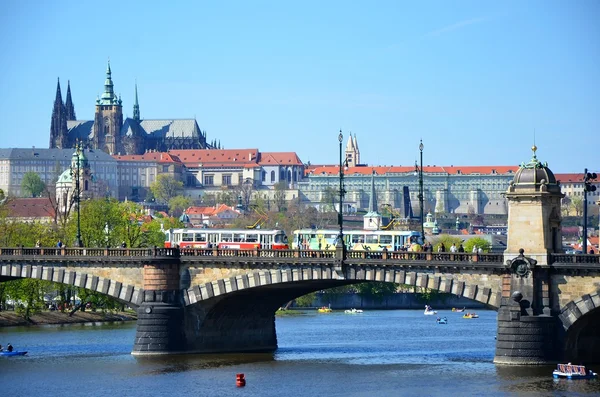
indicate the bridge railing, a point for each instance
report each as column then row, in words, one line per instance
column 571, row 258
column 257, row 253
column 73, row 252
column 426, row 256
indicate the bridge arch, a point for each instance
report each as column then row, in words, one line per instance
column 581, row 320
column 293, row 282
column 128, row 294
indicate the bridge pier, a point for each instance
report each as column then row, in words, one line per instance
column 160, row 316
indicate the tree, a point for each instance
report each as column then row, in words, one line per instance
column 279, row 195
column 479, row 242
column 32, row 184
column 178, row 204
column 577, row 205
column 448, row 240
column 2, row 196
column 565, row 206
column 166, row 187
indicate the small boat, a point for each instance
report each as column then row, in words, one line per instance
column 429, row 311
column 458, row 310
column 471, row 315
column 442, row 320
column 324, row 309
column 15, row 353
column 353, row 311
column 570, row 371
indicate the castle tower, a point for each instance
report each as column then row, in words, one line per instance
column 108, row 119
column 58, row 124
column 69, row 107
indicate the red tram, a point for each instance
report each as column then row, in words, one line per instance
column 226, row 238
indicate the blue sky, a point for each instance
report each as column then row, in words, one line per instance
column 474, row 80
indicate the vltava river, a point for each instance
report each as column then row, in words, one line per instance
column 377, row 353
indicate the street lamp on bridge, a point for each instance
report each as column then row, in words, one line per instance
column 340, row 239
column 76, row 173
column 419, row 173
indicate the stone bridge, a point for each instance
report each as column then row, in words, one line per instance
column 194, row 300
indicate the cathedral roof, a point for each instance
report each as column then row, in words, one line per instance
column 80, row 129
column 171, row 128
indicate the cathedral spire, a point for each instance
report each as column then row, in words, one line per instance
column 58, row 124
column 136, row 106
column 108, row 97
column 69, row 107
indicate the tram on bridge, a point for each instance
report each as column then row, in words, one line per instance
column 356, row 240
column 243, row 239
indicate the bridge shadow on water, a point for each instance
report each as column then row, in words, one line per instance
column 174, row 363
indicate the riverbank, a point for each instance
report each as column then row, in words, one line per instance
column 12, row 319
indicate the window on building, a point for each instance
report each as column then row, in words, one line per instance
column 165, row 168
column 209, row 180
column 264, row 176
column 272, row 176
column 227, row 180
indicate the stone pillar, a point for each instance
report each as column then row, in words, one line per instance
column 528, row 331
column 160, row 316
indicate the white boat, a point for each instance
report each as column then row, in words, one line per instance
column 429, row 311
column 570, row 371
column 353, row 311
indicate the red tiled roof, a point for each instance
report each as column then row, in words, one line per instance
column 209, row 211
column 217, row 157
column 30, row 208
column 383, row 170
column 563, row 178
column 150, row 156
column 279, row 158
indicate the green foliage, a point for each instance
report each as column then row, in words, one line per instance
column 279, row 195
column 28, row 295
column 165, row 187
column 479, row 242
column 32, row 184
column 377, row 291
column 2, row 195
column 178, row 204
column 448, row 240
column 306, row 300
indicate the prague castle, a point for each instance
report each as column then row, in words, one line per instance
column 114, row 135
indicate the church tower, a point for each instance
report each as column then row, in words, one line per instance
column 69, row 107
column 136, row 107
column 108, row 119
column 351, row 160
column 58, row 124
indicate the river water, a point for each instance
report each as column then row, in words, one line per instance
column 376, row 353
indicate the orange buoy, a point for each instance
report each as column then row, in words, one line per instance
column 240, row 381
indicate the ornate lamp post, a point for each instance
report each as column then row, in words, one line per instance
column 340, row 239
column 419, row 173
column 76, row 173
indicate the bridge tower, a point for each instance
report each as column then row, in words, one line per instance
column 528, row 330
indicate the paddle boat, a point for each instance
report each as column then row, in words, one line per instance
column 13, row 353
column 570, row 371
column 471, row 315
column 353, row 311
column 458, row 310
column 324, row 309
column 442, row 320
column 429, row 311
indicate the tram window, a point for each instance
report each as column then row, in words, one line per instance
column 176, row 237
column 213, row 238
column 371, row 239
column 357, row 238
column 239, row 238
column 252, row 238
column 200, row 237
column 385, row 239
column 330, row 236
column 167, row 237
column 226, row 237
column 187, row 237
